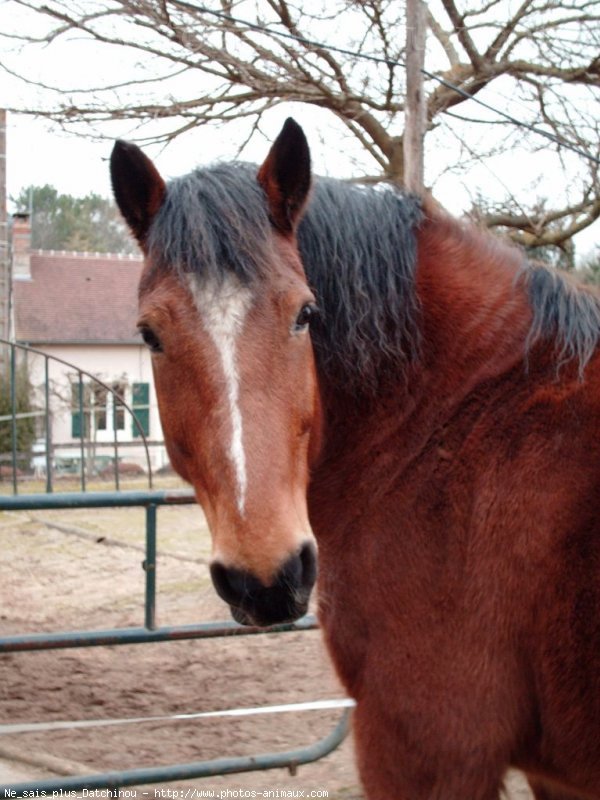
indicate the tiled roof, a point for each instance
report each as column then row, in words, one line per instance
column 78, row 297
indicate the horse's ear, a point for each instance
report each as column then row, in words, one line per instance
column 138, row 188
column 285, row 176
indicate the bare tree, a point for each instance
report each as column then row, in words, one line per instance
column 249, row 56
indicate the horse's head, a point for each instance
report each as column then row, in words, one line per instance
column 225, row 309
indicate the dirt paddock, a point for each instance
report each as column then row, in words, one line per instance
column 81, row 569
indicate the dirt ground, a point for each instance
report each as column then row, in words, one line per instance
column 65, row 570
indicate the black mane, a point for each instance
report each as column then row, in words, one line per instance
column 358, row 247
column 563, row 309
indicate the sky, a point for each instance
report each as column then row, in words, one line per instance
column 40, row 153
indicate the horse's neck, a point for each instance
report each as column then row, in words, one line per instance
column 474, row 326
column 476, row 313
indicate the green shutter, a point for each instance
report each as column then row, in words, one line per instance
column 75, row 424
column 76, row 428
column 140, row 403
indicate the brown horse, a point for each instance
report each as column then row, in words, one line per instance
column 355, row 365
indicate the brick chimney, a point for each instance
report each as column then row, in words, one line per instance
column 4, row 254
column 21, row 246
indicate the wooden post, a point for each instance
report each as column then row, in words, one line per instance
column 415, row 119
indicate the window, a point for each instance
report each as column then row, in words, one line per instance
column 99, row 396
column 116, row 406
column 103, row 410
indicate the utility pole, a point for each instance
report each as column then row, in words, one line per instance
column 415, row 110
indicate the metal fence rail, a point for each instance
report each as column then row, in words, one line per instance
column 149, row 500
column 291, row 759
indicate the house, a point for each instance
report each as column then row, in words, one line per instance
column 81, row 308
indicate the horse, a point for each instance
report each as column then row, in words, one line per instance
column 354, row 368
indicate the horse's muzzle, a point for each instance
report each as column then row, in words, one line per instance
column 285, row 599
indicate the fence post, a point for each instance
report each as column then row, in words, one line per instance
column 150, row 568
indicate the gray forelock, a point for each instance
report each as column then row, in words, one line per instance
column 214, row 221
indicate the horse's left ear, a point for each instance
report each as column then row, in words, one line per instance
column 138, row 187
column 285, row 176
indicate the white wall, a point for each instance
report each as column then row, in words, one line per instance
column 109, row 363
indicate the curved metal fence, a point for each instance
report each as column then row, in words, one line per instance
column 99, row 413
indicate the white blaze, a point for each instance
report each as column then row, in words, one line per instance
column 223, row 308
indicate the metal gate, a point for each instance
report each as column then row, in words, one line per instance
column 41, row 411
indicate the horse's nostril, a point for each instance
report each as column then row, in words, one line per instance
column 232, row 584
column 299, row 572
column 308, row 559
column 220, row 579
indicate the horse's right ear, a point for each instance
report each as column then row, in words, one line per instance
column 285, row 176
column 138, row 187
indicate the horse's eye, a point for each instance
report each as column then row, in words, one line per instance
column 307, row 313
column 151, row 340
